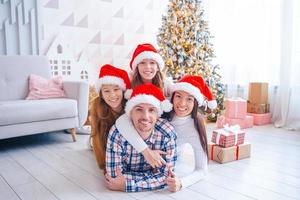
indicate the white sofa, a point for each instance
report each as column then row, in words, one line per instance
column 25, row 117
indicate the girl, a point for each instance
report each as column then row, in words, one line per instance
column 107, row 107
column 187, row 96
column 146, row 65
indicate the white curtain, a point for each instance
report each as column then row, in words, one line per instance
column 258, row 41
column 286, row 113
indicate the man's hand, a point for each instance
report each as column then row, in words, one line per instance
column 117, row 183
column 153, row 157
column 173, row 182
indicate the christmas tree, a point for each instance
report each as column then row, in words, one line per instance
column 184, row 41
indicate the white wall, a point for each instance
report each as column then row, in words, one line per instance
column 107, row 31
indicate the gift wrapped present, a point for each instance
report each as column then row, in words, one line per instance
column 223, row 155
column 228, row 136
column 243, row 123
column 258, row 108
column 261, row 119
column 235, row 108
column 258, row 93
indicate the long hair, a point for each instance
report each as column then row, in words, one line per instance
column 102, row 118
column 198, row 123
column 136, row 79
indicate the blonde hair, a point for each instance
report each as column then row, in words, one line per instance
column 102, row 118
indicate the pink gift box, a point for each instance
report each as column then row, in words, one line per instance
column 227, row 138
column 236, row 108
column 243, row 123
column 261, row 119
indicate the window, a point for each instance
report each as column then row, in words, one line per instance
column 84, row 75
column 59, row 49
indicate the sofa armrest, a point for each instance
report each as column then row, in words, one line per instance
column 78, row 90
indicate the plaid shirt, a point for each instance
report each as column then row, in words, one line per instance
column 138, row 173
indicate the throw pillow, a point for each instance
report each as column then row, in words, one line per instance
column 42, row 88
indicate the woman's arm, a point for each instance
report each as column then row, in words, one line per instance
column 200, row 165
column 126, row 128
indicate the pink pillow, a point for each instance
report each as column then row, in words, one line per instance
column 41, row 88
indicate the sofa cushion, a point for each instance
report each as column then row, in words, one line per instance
column 23, row 111
column 42, row 88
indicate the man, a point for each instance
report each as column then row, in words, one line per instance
column 126, row 168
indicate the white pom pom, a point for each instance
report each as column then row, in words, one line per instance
column 212, row 104
column 168, row 84
column 166, row 105
column 128, row 93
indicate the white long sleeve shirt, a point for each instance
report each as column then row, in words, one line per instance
column 186, row 134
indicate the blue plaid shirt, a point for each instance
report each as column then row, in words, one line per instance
column 138, row 173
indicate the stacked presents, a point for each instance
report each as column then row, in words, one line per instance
column 235, row 114
column 228, row 145
column 258, row 106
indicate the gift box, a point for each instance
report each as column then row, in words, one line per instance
column 258, row 108
column 243, row 123
column 258, row 93
column 228, row 136
column 235, row 108
column 223, row 155
column 261, row 119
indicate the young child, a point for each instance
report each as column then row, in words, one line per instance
column 187, row 96
column 146, row 65
column 107, row 107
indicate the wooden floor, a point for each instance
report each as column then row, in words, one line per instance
column 51, row 166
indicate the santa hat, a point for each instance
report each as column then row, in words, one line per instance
column 112, row 75
column 196, row 86
column 150, row 94
column 146, row 51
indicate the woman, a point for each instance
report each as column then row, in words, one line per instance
column 188, row 123
column 106, row 108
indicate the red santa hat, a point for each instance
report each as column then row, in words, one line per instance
column 146, row 51
column 196, row 86
column 112, row 75
column 150, row 94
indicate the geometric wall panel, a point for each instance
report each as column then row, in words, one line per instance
column 120, row 13
column 69, row 21
column 141, row 29
column 83, row 22
column 52, row 4
column 120, row 40
column 20, row 24
column 96, row 39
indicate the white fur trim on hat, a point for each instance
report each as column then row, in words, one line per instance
column 212, row 104
column 112, row 80
column 166, row 105
column 128, row 93
column 143, row 98
column 189, row 88
column 148, row 55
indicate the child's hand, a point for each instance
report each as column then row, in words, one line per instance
column 173, row 182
